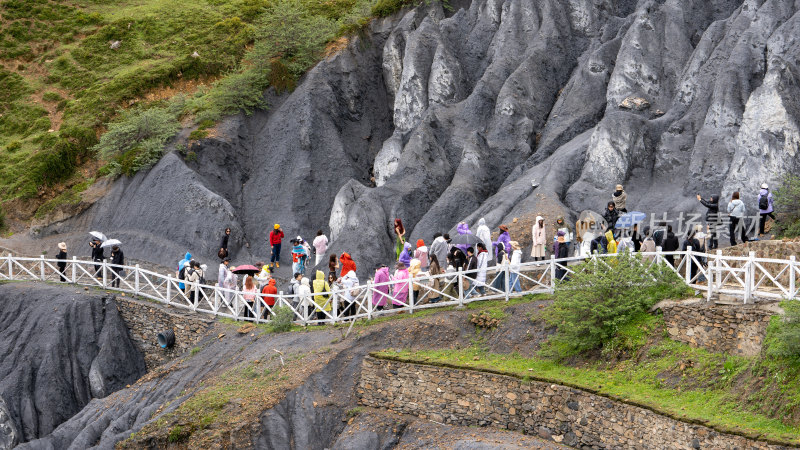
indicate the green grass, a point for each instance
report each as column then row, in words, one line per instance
column 705, row 397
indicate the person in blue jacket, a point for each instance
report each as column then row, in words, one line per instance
column 182, row 263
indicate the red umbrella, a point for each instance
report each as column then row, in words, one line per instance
column 247, row 269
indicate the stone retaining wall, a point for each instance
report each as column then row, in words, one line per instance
column 146, row 319
column 571, row 416
column 734, row 329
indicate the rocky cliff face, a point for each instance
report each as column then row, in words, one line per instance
column 459, row 112
column 59, row 351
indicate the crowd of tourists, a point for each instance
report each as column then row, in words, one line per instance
column 477, row 254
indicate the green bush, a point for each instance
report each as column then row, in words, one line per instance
column 2, row 220
column 13, row 146
column 138, row 139
column 602, row 297
column 281, row 320
column 783, row 333
column 787, row 206
column 384, row 8
column 234, row 93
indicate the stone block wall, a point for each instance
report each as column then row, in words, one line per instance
column 571, row 416
column 734, row 329
column 146, row 319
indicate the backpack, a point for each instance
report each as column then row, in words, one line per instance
column 182, row 273
column 763, row 202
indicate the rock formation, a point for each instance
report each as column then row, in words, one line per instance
column 458, row 112
column 64, row 350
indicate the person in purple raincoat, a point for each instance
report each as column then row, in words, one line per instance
column 405, row 255
column 505, row 239
column 379, row 300
column 400, row 292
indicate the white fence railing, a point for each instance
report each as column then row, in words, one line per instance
column 748, row 278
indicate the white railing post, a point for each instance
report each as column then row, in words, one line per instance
column 74, row 269
column 460, row 281
column 748, row 277
column 136, row 281
column 718, row 278
column 369, row 300
column 41, row 267
column 552, row 273
column 335, row 308
column 506, row 275
column 659, row 256
column 10, row 267
column 688, row 256
column 169, row 288
column 792, row 268
column 216, row 300
column 105, row 274
column 410, row 295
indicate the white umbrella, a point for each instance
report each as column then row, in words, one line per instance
column 110, row 242
column 98, row 235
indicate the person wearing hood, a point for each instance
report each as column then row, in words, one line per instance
column 620, row 198
column 503, row 238
column 320, row 247
column 98, row 255
column 766, row 207
column 264, row 276
column 405, row 255
column 515, row 266
column 736, row 211
column 539, row 239
column 294, row 287
column 610, row 241
column 62, row 260
column 118, row 260
column 381, row 290
column 275, row 240
column 484, row 233
column 322, row 294
column 439, row 247
column 304, row 300
column 562, row 225
column 611, row 215
column 349, row 284
column 400, row 288
column 463, row 229
column 400, row 237
column 712, row 218
column 180, row 273
column 299, row 256
column 421, row 253
column 269, row 294
column 348, row 265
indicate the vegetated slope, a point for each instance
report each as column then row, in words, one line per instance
column 70, row 71
column 457, row 112
column 58, row 350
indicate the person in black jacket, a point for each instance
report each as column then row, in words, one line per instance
column 223, row 247
column 117, row 258
column 692, row 241
column 62, row 260
column 712, row 219
column 611, row 215
column 671, row 244
column 98, row 255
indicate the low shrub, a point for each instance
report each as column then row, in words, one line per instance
column 2, row 220
column 783, row 333
column 787, row 206
column 604, row 296
column 281, row 320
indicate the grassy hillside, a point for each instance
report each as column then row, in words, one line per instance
column 72, row 71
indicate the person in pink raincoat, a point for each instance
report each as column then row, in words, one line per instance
column 379, row 297
column 400, row 292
